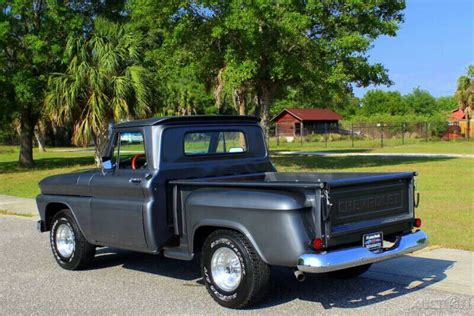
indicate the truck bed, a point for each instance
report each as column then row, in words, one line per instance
column 344, row 205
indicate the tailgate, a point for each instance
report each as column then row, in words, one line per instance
column 369, row 204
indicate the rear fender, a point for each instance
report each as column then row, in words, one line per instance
column 218, row 224
column 277, row 223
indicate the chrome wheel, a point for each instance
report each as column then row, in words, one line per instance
column 65, row 240
column 226, row 269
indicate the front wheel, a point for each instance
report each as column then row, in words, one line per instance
column 234, row 274
column 350, row 272
column 70, row 249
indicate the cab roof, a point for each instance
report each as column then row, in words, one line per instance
column 189, row 119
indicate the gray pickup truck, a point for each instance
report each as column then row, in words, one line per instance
column 205, row 185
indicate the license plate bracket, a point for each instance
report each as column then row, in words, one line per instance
column 373, row 241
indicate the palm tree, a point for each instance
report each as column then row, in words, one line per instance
column 104, row 82
column 465, row 89
column 465, row 96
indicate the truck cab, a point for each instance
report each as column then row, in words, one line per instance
column 144, row 156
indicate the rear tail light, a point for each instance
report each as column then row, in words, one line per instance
column 317, row 244
column 417, row 223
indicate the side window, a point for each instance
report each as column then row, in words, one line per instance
column 215, row 142
column 130, row 152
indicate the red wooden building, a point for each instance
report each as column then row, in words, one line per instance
column 291, row 122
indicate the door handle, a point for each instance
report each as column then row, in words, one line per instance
column 135, row 180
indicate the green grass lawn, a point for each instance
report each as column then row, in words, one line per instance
column 446, row 184
column 24, row 182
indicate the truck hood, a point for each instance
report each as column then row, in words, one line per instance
column 75, row 183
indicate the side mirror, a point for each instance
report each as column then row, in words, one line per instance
column 107, row 164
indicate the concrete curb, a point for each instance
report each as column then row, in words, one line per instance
column 18, row 205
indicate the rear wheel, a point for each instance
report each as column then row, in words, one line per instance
column 234, row 274
column 350, row 272
column 70, row 249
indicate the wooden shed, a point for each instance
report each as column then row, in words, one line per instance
column 292, row 122
column 464, row 123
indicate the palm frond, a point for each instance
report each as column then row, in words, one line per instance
column 104, row 80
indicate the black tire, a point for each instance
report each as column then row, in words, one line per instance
column 83, row 252
column 350, row 272
column 254, row 271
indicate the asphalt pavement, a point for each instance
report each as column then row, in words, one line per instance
column 123, row 283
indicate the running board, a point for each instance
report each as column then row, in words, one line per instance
column 180, row 253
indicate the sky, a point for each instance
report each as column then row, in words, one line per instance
column 433, row 47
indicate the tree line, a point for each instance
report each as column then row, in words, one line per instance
column 418, row 102
column 71, row 68
column 417, row 106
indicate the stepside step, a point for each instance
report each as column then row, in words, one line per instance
column 180, row 253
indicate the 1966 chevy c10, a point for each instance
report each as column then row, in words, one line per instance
column 205, row 184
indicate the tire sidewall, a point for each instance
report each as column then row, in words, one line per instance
column 70, row 262
column 238, row 295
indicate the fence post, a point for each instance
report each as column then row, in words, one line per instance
column 301, row 133
column 381, row 134
column 426, row 131
column 468, row 123
column 403, row 133
column 352, row 134
column 326, row 133
column 276, row 134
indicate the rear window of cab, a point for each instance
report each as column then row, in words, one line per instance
column 214, row 143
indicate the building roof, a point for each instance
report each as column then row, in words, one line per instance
column 456, row 115
column 314, row 114
column 189, row 119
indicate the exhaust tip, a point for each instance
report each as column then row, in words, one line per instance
column 300, row 277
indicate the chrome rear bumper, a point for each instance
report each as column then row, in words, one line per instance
column 351, row 257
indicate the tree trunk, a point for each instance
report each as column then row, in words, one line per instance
column 266, row 102
column 27, row 124
column 54, row 128
column 242, row 108
column 258, row 106
column 39, row 135
column 218, row 92
column 101, row 141
column 239, row 95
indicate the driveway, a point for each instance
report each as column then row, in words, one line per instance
column 362, row 154
column 122, row 282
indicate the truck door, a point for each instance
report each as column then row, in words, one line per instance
column 118, row 196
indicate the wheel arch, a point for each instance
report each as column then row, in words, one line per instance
column 202, row 230
column 52, row 209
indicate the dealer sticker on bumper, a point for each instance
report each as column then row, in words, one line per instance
column 373, row 241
